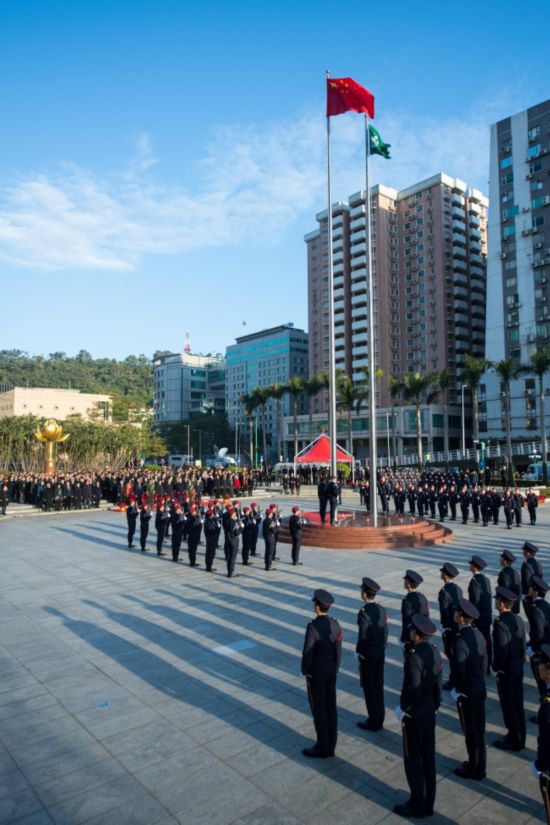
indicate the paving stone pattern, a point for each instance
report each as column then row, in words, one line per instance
column 136, row 691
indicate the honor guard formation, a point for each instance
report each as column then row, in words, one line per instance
column 475, row 644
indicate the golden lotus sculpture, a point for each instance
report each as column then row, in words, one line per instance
column 50, row 434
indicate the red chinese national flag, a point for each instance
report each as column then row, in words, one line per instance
column 345, row 95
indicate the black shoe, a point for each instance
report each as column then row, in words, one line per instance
column 194, row 565
column 466, row 773
column 406, row 809
column 232, row 575
column 313, row 753
column 161, row 554
column 505, row 745
column 367, row 725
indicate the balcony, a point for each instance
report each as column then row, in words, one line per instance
column 359, row 248
column 460, row 280
column 460, row 292
column 459, row 239
column 359, row 236
column 359, row 351
column 360, row 261
column 473, row 220
column 459, row 225
column 357, row 211
column 459, row 251
column 475, row 246
column 475, row 258
column 460, row 305
column 359, row 299
column 359, row 325
column 457, row 200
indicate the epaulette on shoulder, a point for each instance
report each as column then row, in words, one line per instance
column 362, row 610
column 546, row 699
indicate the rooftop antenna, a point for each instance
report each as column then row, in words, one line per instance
column 187, row 345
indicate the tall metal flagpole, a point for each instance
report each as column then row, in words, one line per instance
column 331, row 348
column 372, row 365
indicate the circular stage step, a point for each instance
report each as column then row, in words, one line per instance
column 354, row 532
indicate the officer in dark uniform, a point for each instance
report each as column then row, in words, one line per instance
column 234, row 530
column 320, row 663
column 296, row 524
column 508, row 657
column 539, row 625
column 530, row 567
column 541, row 766
column 509, row 577
column 413, row 603
column 420, row 699
column 479, row 593
column 532, row 504
column 322, row 496
column 144, row 519
column 212, row 529
column 448, row 598
column 470, row 692
column 332, row 491
column 132, row 513
column 372, row 638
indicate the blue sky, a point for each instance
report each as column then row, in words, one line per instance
column 161, row 162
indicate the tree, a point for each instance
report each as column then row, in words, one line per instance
column 473, row 370
column 294, row 388
column 250, row 402
column 508, row 369
column 262, row 396
column 312, row 388
column 57, row 356
column 414, row 386
column 540, row 366
column 445, row 381
column 349, row 396
column 83, row 356
column 276, row 392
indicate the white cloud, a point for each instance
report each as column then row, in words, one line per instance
column 255, row 183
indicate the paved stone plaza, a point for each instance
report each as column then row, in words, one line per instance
column 133, row 690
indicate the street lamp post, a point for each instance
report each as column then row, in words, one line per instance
column 388, row 437
column 462, row 388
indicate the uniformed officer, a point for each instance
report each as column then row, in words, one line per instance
column 470, row 692
column 420, row 699
column 320, row 663
column 144, row 519
column 509, row 577
column 322, row 496
column 479, row 593
column 332, row 492
column 372, row 638
column 530, row 567
column 539, row 625
column 448, row 598
column 296, row 525
column 132, row 513
column 541, row 766
column 413, row 603
column 508, row 657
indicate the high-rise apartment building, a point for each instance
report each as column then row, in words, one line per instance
column 185, row 384
column 518, row 274
column 429, row 246
column 261, row 359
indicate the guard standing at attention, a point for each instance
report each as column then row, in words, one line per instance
column 509, row 577
column 541, row 766
column 132, row 513
column 372, row 638
column 420, row 699
column 479, row 593
column 296, row 524
column 144, row 519
column 320, row 663
column 322, row 496
column 470, row 692
column 413, row 603
column 448, row 598
column 508, row 657
column 332, row 491
column 529, row 568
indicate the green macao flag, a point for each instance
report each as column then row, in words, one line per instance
column 377, row 145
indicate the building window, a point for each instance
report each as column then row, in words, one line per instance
column 533, row 133
column 506, row 162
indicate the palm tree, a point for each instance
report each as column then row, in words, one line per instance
column 294, row 387
column 250, row 402
column 445, row 381
column 473, row 370
column 414, row 386
column 262, row 395
column 312, row 387
column 540, row 366
column 276, row 392
column 508, row 369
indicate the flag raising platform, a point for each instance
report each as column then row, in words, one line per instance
column 356, row 532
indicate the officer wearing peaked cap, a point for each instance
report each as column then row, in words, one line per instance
column 530, row 567
column 539, row 624
column 372, row 621
column 509, row 577
column 448, row 598
column 414, row 603
column 469, row 669
column 479, row 593
column 508, row 657
column 420, row 699
column 541, row 766
column 320, row 663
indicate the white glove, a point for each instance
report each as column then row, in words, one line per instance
column 534, row 770
column 400, row 713
column 456, row 696
column 530, row 651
